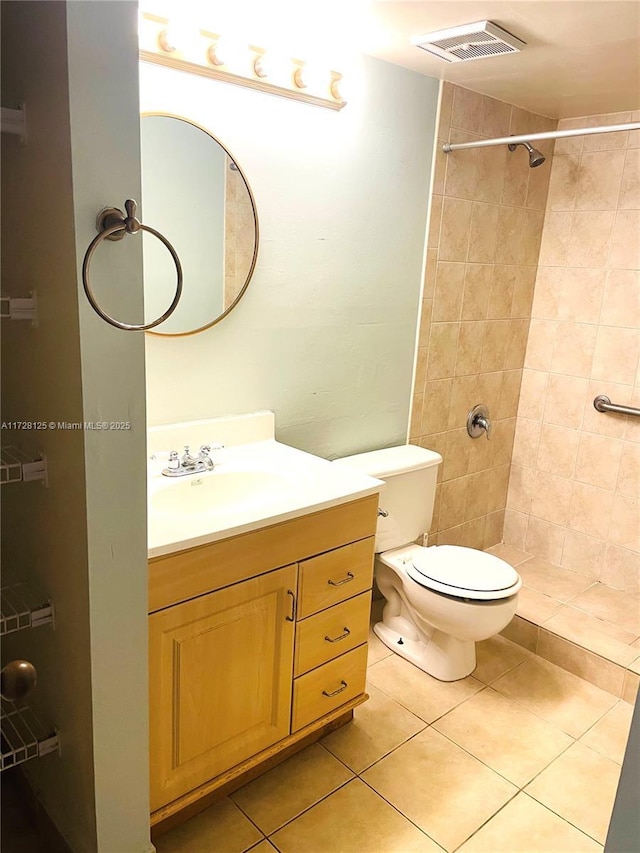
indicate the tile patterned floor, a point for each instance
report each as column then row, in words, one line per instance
column 595, row 617
column 501, row 762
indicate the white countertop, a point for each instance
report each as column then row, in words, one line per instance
column 295, row 484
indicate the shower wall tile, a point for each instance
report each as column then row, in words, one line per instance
column 487, row 216
column 621, row 303
column 630, row 186
column 581, row 295
column 590, row 238
column 557, row 449
column 625, row 248
column 584, row 340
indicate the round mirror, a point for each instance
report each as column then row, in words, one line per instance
column 195, row 194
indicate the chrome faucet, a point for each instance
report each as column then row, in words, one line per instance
column 188, row 464
column 478, row 421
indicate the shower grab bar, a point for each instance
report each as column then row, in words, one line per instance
column 604, row 404
column 112, row 224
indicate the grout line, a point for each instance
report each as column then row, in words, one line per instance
column 308, row 808
column 566, row 820
column 402, row 814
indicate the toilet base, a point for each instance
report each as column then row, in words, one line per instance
column 444, row 657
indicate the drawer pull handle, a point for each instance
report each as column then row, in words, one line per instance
column 348, row 578
column 339, row 637
column 292, row 618
column 343, row 686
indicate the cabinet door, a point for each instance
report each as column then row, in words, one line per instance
column 220, row 681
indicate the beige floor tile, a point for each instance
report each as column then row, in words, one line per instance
column 580, row 786
column 590, row 632
column 420, row 693
column 631, row 687
column 378, row 726
column 511, row 555
column 264, row 847
column 559, row 697
column 295, row 785
column 377, row 649
column 353, row 820
column 536, row 606
column 611, row 604
column 585, row 664
column 526, row 826
column 522, row 632
column 609, row 736
column 636, row 643
column 220, row 829
column 496, row 656
column 553, row 581
column 440, row 787
column 504, row 735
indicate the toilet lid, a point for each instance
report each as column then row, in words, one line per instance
column 463, row 572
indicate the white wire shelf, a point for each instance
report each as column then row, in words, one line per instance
column 23, row 735
column 17, row 467
column 18, row 308
column 20, row 608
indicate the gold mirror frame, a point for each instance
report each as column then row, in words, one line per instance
column 255, row 223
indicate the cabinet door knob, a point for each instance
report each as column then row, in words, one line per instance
column 339, row 637
column 348, row 578
column 343, row 686
column 292, row 618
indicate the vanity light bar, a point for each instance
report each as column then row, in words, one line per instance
column 204, row 55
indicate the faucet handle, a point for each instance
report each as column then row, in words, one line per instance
column 187, row 458
column 478, row 421
column 205, row 449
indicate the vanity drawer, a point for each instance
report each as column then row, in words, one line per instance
column 335, row 576
column 326, row 688
column 332, row 632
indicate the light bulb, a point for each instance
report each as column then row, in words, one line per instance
column 311, row 77
column 263, row 65
column 230, row 53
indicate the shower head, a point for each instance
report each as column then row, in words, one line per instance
column 535, row 157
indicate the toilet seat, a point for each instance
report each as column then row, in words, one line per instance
column 463, row 572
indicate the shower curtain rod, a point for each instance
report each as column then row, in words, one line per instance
column 533, row 137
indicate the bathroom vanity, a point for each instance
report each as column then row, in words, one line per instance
column 258, row 616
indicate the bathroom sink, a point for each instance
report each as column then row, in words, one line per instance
column 255, row 481
column 217, row 491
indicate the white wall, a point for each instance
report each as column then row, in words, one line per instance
column 325, row 333
column 44, row 530
column 105, row 140
column 82, row 539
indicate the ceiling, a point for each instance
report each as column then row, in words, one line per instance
column 582, row 57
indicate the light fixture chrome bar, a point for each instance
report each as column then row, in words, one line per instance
column 604, row 404
column 534, row 137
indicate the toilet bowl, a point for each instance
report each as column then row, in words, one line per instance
column 439, row 600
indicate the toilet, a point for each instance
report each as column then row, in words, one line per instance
column 442, row 599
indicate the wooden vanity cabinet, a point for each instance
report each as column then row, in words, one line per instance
column 257, row 644
column 220, row 680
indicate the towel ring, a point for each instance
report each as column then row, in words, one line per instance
column 112, row 224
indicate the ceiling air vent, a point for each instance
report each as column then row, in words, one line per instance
column 469, row 41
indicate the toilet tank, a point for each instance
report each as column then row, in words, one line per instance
column 410, row 474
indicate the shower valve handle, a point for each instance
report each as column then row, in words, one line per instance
column 478, row 421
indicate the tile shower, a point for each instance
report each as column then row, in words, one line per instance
column 486, row 225
column 532, row 305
